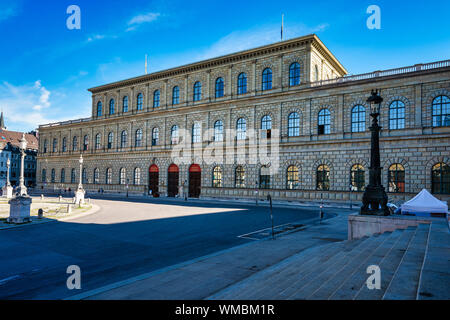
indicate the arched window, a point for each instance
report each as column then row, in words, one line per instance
column 357, row 179
column 137, row 176
column 323, row 178
column 98, row 142
column 217, row 177
column 84, row 176
column 96, row 176
column 73, row 177
column 86, row 143
column 53, row 176
column 63, row 175
column 440, row 178
column 316, row 73
column 156, row 98
column 239, row 180
column 125, row 104
column 242, row 83
column 441, row 111
column 111, row 106
column 175, row 95
column 45, row 145
column 241, row 129
column 174, row 135
column 44, row 175
column 358, row 119
column 397, row 115
column 219, row 87
column 267, row 79
column 266, row 122
column 99, row 109
column 75, row 144
column 123, row 176
column 292, row 178
column 293, row 124
column 155, row 136
column 196, row 133
column 138, row 138
column 64, row 144
column 218, row 130
column 396, row 178
column 324, row 122
column 108, row 176
column 294, row 74
column 110, row 140
column 264, row 177
column 123, row 139
column 197, row 91
column 55, row 145
column 140, row 101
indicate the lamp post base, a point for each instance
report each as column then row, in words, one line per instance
column 79, row 197
column 19, row 210
column 7, row 192
column 375, row 201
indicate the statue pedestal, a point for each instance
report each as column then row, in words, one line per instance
column 19, row 210
column 79, row 197
column 7, row 192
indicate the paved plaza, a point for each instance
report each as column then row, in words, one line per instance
column 127, row 238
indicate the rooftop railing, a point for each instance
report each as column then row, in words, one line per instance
column 363, row 76
column 384, row 73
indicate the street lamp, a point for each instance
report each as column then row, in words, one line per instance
column 374, row 197
column 22, row 191
column 79, row 194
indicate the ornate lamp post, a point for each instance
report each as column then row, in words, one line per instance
column 79, row 195
column 22, row 191
column 8, row 190
column 375, row 198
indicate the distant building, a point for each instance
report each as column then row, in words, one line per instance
column 9, row 148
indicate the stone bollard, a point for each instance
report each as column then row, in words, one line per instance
column 89, row 200
column 42, row 197
column 69, row 209
column 60, row 198
column 40, row 213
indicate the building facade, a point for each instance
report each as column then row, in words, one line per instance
column 293, row 92
column 9, row 149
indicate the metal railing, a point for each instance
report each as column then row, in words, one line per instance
column 389, row 72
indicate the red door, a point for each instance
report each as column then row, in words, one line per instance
column 153, row 179
column 195, row 178
column 173, row 177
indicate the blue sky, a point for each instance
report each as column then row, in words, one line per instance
column 46, row 69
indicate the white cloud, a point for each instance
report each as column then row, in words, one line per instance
column 248, row 39
column 26, row 106
column 143, row 18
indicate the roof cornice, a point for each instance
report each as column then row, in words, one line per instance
column 218, row 61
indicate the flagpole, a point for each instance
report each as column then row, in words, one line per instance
column 282, row 18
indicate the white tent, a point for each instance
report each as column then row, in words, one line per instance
column 424, row 204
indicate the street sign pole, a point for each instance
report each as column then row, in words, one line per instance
column 271, row 214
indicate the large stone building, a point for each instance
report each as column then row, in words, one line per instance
column 295, row 92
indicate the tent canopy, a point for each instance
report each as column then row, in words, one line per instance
column 425, row 202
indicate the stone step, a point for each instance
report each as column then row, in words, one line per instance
column 267, row 277
column 435, row 276
column 387, row 267
column 405, row 282
column 351, row 286
column 354, row 273
column 304, row 276
column 332, row 268
column 278, row 284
